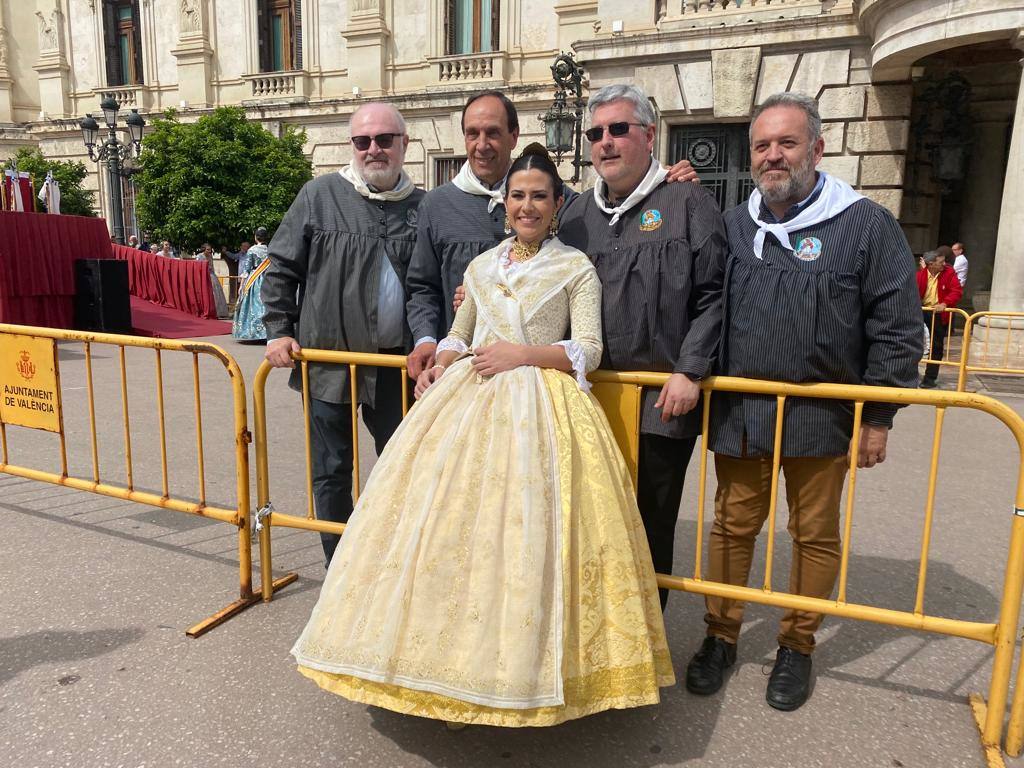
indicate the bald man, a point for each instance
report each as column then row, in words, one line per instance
column 338, row 265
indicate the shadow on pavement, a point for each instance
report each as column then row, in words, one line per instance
column 23, row 652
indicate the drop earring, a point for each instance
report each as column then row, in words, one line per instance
column 508, row 225
column 553, row 227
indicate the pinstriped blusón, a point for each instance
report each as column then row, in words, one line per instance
column 850, row 316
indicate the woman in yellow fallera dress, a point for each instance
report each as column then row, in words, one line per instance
column 495, row 570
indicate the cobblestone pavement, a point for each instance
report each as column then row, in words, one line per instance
column 95, row 669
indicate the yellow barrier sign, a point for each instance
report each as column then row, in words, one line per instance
column 29, row 379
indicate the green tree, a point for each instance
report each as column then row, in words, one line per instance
column 74, row 198
column 217, row 179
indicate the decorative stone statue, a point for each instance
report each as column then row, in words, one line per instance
column 48, row 31
column 191, row 20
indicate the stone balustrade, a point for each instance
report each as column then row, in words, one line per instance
column 455, row 69
column 726, row 12
column 274, row 85
column 289, row 86
column 126, row 96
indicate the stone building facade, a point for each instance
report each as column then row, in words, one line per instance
column 921, row 99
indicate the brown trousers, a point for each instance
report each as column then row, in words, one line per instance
column 814, row 487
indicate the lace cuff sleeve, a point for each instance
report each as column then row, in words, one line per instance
column 452, row 344
column 578, row 360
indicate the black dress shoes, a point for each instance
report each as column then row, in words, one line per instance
column 706, row 669
column 790, row 681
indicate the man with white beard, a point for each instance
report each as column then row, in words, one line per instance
column 338, row 266
column 821, row 288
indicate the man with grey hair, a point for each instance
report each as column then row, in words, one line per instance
column 660, row 252
column 338, row 266
column 463, row 218
column 820, row 289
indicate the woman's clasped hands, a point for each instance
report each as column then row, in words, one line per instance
column 499, row 357
column 488, row 360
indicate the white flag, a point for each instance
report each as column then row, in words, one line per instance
column 50, row 193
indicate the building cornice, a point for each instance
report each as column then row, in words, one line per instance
column 802, row 33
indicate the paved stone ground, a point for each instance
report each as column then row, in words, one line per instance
column 95, row 669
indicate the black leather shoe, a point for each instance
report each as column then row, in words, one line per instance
column 706, row 669
column 790, row 681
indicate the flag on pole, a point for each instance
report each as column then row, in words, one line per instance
column 12, row 182
column 49, row 193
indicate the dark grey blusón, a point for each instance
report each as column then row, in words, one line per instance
column 322, row 285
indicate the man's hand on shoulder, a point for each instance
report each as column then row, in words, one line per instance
column 679, row 395
column 421, row 358
column 872, row 445
column 682, row 171
column 279, row 352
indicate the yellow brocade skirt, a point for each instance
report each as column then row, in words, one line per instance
column 495, row 569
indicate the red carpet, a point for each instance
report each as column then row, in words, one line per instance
column 149, row 319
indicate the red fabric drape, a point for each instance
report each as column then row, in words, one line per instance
column 37, row 265
column 183, row 285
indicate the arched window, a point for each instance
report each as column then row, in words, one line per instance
column 279, row 24
column 122, row 42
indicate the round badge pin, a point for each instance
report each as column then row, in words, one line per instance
column 650, row 220
column 808, row 249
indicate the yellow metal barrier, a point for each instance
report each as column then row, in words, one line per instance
column 16, row 336
column 266, row 516
column 619, row 394
column 954, row 320
column 993, row 355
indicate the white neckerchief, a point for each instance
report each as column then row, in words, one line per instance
column 467, row 181
column 402, row 189
column 655, row 175
column 836, row 196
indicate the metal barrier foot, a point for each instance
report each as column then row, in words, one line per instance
column 223, row 615
column 993, row 755
column 280, row 583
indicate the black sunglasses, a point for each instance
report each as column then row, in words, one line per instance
column 383, row 140
column 596, row 133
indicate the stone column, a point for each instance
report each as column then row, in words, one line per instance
column 194, row 54
column 1008, row 271
column 52, row 66
column 366, row 37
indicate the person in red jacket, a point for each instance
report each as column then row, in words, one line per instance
column 939, row 288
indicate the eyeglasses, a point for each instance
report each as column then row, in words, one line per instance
column 383, row 140
column 596, row 133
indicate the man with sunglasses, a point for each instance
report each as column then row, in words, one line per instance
column 463, row 218
column 338, row 266
column 660, row 252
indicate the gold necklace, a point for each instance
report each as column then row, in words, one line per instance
column 524, row 252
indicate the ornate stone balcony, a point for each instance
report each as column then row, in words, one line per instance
column 126, row 96
column 277, row 86
column 683, row 14
column 902, row 32
column 474, row 68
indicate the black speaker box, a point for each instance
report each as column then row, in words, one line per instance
column 102, row 301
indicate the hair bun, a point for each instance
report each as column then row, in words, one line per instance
column 535, row 148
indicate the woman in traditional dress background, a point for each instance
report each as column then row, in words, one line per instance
column 248, row 325
column 495, row 569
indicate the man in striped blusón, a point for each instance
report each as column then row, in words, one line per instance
column 821, row 289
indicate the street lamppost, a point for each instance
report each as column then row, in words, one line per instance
column 563, row 123
column 114, row 152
